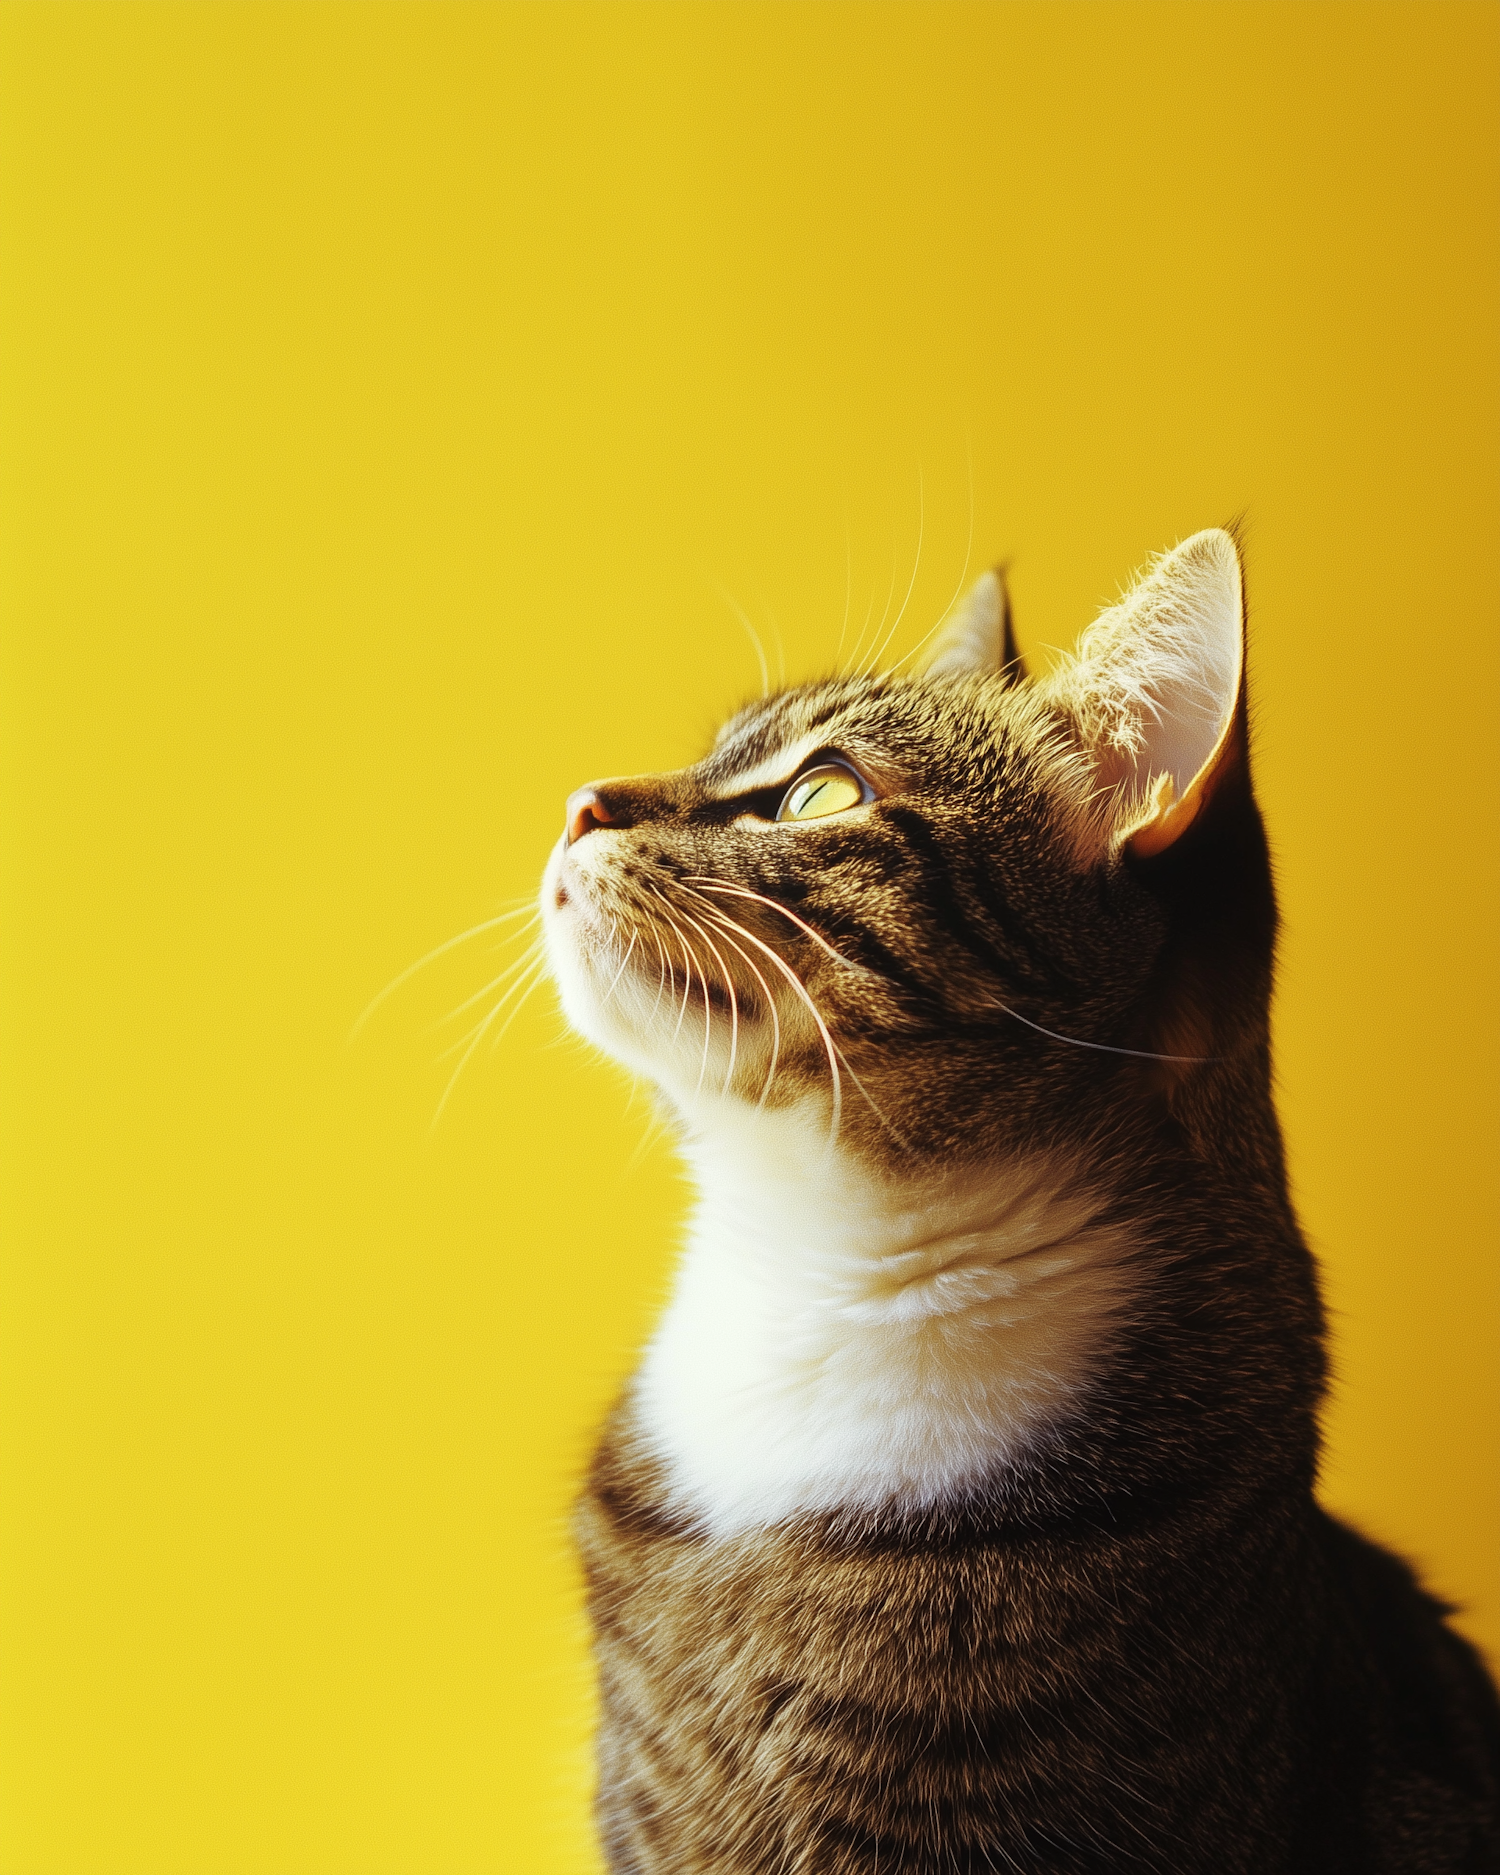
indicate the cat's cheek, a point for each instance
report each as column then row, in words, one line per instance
column 603, row 1019
column 571, row 914
column 562, row 929
column 564, row 884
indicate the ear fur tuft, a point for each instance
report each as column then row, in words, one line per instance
column 1154, row 687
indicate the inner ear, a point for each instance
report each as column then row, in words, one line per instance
column 1170, row 814
column 978, row 638
column 1155, row 690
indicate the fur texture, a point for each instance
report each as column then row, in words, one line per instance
column 834, row 1345
column 961, row 1514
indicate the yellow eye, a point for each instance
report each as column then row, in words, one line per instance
column 827, row 789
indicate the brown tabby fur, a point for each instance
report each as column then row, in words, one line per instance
column 1143, row 1646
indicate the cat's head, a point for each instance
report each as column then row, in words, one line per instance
column 946, row 912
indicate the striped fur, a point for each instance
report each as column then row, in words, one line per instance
column 961, row 1514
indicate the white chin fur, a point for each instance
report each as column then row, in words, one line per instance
column 836, row 1341
column 585, row 960
column 633, row 1007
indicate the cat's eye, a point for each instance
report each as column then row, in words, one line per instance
column 830, row 788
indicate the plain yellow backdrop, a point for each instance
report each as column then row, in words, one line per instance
column 398, row 400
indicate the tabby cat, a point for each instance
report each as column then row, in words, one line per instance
column 960, row 1516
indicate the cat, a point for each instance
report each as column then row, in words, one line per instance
column 960, row 1516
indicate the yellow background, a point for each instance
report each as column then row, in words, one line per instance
column 392, row 395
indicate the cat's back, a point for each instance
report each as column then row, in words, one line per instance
column 1410, row 1722
column 957, row 1694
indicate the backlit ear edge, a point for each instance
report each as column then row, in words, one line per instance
column 1166, row 814
column 1155, row 692
column 1012, row 664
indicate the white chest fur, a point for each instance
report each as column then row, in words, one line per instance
column 834, row 1342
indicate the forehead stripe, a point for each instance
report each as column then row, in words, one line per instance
column 780, row 766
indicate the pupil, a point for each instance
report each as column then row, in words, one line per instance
column 811, row 796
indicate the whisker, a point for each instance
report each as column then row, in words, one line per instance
column 801, row 988
column 1102, row 1048
column 479, row 1035
column 870, row 1102
column 743, row 891
column 734, row 1007
column 879, row 652
column 963, row 579
column 620, row 972
column 538, row 962
column 848, row 594
column 531, row 951
column 780, row 644
column 687, row 979
column 411, row 970
column 521, row 1002
column 855, row 655
column 661, row 974
column 708, row 1008
column 754, row 969
column 754, row 637
column 708, row 1021
column 687, row 989
column 724, row 919
column 708, row 1025
column 654, row 1129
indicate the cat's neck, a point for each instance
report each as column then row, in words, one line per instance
column 844, row 1340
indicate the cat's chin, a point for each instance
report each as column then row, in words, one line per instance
column 635, row 1013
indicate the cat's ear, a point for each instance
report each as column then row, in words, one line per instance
column 1155, row 690
column 977, row 638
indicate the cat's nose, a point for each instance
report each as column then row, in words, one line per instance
column 586, row 810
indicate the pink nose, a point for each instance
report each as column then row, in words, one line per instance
column 585, row 810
